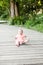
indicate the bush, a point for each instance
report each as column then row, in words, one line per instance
column 28, row 23
column 11, row 21
column 24, row 20
column 20, row 20
column 34, row 20
column 4, row 16
column 39, row 19
column 17, row 20
column 38, row 27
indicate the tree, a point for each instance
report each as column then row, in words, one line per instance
column 16, row 7
column 12, row 8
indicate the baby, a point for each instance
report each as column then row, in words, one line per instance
column 20, row 38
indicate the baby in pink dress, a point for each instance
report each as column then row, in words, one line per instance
column 20, row 38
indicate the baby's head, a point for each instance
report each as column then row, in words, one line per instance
column 20, row 31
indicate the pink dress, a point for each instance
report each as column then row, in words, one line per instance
column 20, row 38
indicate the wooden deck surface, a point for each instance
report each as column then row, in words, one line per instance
column 31, row 53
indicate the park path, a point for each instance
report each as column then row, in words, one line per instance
column 32, row 53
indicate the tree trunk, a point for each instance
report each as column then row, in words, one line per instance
column 12, row 8
column 16, row 8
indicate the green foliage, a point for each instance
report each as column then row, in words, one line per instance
column 39, row 19
column 4, row 9
column 35, row 23
column 20, row 20
column 17, row 20
column 26, row 7
column 38, row 27
column 11, row 21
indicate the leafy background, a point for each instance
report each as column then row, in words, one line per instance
column 26, row 14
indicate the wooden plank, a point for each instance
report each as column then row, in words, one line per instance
column 22, row 62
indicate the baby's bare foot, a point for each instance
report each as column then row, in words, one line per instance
column 17, row 45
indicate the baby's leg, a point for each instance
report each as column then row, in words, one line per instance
column 26, row 41
column 21, row 42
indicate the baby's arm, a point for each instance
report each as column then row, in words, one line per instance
column 24, row 36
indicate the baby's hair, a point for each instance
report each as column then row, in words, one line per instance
column 20, row 29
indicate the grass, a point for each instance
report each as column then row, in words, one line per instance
column 38, row 27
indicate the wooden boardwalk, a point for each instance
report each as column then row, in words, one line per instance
column 31, row 53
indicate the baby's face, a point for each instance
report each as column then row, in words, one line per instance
column 20, row 32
